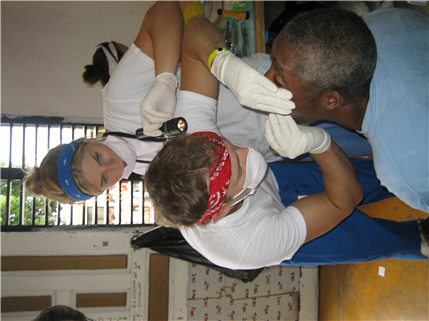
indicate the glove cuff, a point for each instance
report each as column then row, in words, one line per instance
column 324, row 146
column 218, row 63
column 169, row 78
column 213, row 55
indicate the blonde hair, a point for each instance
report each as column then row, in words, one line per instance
column 43, row 180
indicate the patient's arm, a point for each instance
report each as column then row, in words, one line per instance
column 343, row 192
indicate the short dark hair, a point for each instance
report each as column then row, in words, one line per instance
column 333, row 49
column 177, row 179
column 60, row 313
column 99, row 70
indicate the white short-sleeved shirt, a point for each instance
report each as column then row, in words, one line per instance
column 262, row 232
column 134, row 76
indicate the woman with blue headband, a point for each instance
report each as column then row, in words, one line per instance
column 145, row 78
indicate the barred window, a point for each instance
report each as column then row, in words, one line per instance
column 25, row 141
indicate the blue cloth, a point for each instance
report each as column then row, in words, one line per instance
column 302, row 179
column 65, row 173
column 358, row 238
column 351, row 142
column 396, row 120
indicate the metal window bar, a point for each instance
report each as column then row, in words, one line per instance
column 58, row 207
column 21, row 189
column 132, row 203
column 45, row 213
column 8, row 202
column 21, row 205
column 10, row 146
column 46, row 203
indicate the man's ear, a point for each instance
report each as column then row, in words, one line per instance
column 332, row 99
column 221, row 214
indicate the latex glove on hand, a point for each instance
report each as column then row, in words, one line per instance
column 159, row 104
column 291, row 140
column 250, row 87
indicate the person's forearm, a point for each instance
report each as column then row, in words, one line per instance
column 164, row 24
column 201, row 38
column 342, row 184
column 250, row 87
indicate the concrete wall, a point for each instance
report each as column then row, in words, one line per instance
column 45, row 46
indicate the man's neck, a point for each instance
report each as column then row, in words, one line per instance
column 235, row 208
column 352, row 115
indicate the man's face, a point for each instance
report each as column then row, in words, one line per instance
column 283, row 75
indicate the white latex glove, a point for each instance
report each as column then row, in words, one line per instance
column 291, row 140
column 250, row 87
column 159, row 104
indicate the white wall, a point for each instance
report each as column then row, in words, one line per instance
column 45, row 46
column 63, row 285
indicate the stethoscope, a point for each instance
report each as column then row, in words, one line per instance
column 169, row 129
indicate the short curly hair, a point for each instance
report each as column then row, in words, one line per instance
column 99, row 70
column 177, row 179
column 333, row 49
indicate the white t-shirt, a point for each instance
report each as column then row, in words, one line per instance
column 262, row 232
column 133, row 77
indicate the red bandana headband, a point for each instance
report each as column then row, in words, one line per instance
column 219, row 176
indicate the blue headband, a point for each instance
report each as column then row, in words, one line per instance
column 65, row 174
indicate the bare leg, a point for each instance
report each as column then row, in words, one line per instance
column 183, row 5
column 160, row 36
column 201, row 37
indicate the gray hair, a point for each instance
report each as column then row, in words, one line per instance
column 334, row 49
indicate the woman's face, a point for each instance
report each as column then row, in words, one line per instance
column 101, row 166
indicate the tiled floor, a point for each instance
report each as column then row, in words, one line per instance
column 357, row 291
